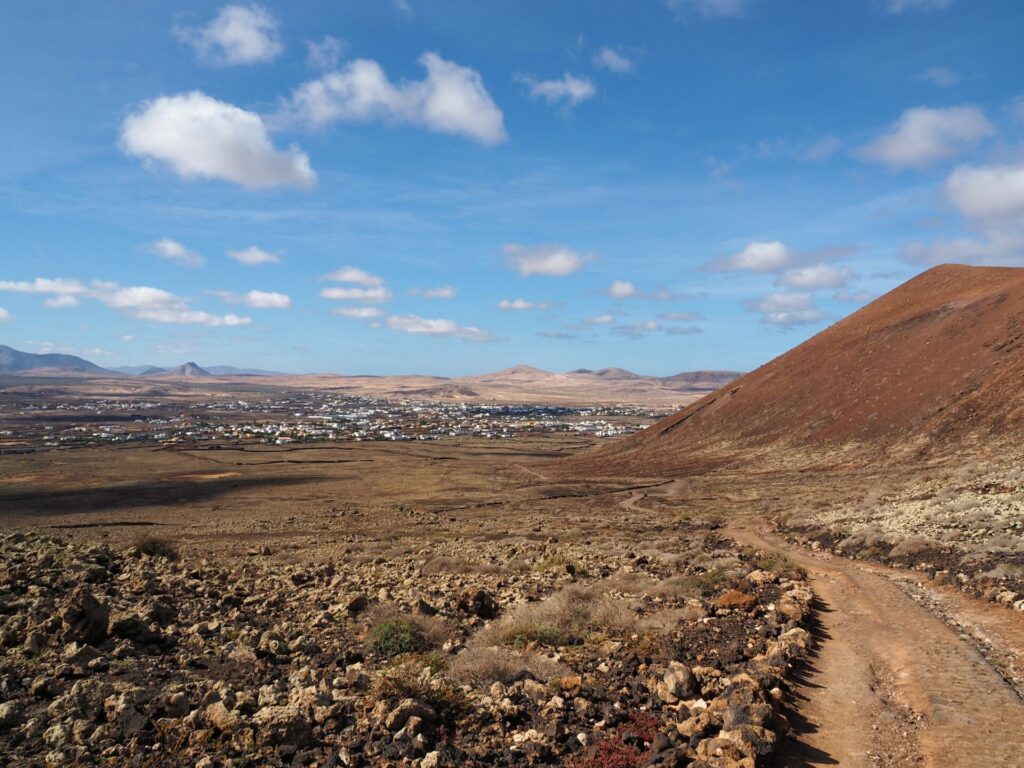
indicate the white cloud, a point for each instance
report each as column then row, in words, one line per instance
column 944, row 77
column 607, row 58
column 551, row 260
column 515, row 305
column 257, row 299
column 5, row 316
column 359, row 313
column 58, row 286
column 405, row 8
column 415, row 324
column 758, row 257
column 568, row 89
column 441, row 292
column 370, row 295
column 451, row 99
column 556, row 335
column 905, row 6
column 239, row 34
column 325, row 54
column 998, row 248
column 711, row 8
column 354, row 275
column 922, row 136
column 622, row 289
column 606, row 319
column 198, row 136
column 815, row 276
column 61, row 301
column 787, row 309
column 157, row 305
column 174, row 251
column 987, row 192
column 253, row 256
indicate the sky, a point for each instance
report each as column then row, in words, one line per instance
column 417, row 186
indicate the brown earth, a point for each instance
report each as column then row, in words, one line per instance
column 928, row 370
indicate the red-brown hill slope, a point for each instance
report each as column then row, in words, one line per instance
column 936, row 360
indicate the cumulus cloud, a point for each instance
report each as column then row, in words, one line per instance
column 551, row 260
column 354, row 275
column 991, row 199
column 324, row 54
column 358, row 313
column 62, row 301
column 815, row 276
column 239, row 34
column 197, row 136
column 711, row 9
column 57, row 286
column 5, row 316
column 253, row 256
column 519, row 305
column 923, row 135
column 612, row 60
column 157, row 305
column 987, row 192
column 606, row 319
column 908, row 6
column 174, row 251
column 415, row 324
column 556, row 335
column 441, row 292
column 787, row 309
column 757, row 257
column 944, row 77
column 622, row 289
column 371, row 295
column 451, row 99
column 568, row 90
column 256, row 299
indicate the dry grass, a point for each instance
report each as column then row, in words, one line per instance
column 565, row 618
column 481, row 666
column 157, row 546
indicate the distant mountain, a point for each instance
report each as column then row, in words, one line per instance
column 616, row 374
column 189, row 369
column 16, row 361
column 517, row 373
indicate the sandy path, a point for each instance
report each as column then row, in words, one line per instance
column 891, row 683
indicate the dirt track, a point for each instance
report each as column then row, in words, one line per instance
column 891, row 683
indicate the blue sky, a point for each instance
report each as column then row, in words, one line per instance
column 439, row 187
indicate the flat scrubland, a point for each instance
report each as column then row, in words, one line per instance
column 378, row 604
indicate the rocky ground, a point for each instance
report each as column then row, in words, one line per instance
column 961, row 525
column 480, row 653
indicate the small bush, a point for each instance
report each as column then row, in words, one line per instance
column 393, row 633
column 157, row 546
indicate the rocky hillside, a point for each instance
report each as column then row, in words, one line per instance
column 927, row 368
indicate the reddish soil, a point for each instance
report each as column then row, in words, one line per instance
column 929, row 366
